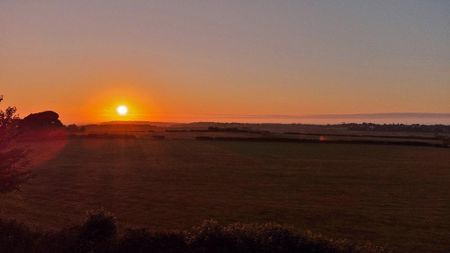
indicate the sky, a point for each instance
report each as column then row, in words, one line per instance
column 224, row 60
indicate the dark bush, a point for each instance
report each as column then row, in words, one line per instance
column 13, row 160
column 141, row 240
column 266, row 238
column 75, row 129
column 17, row 238
column 98, row 232
column 159, row 137
column 99, row 235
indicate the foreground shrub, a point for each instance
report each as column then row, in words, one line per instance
column 99, row 234
column 266, row 238
column 17, row 238
column 141, row 240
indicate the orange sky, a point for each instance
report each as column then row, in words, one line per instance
column 187, row 62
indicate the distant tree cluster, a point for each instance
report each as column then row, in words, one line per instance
column 12, row 160
column 227, row 129
column 75, row 129
column 438, row 129
column 47, row 119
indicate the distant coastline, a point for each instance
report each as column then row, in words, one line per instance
column 378, row 118
column 407, row 118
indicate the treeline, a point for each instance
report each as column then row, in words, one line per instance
column 99, row 234
column 215, row 129
column 320, row 140
column 397, row 128
column 236, row 130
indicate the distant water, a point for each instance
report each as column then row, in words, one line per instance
column 379, row 118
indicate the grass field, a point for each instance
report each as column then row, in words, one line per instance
column 397, row 196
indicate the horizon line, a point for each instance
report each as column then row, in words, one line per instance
column 340, row 115
column 266, row 118
column 293, row 119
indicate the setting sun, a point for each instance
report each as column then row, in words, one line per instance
column 122, row 110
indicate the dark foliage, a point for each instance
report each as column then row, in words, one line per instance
column 99, row 234
column 266, row 238
column 318, row 140
column 12, row 173
column 47, row 119
column 15, row 237
column 437, row 129
column 141, row 240
column 159, row 137
column 105, row 136
column 75, row 129
column 12, row 160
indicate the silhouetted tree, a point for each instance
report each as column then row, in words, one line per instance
column 12, row 160
column 40, row 120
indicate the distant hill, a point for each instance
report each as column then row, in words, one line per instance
column 323, row 119
column 148, row 123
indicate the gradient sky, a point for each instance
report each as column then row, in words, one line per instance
column 194, row 60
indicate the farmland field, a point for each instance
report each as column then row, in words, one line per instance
column 391, row 195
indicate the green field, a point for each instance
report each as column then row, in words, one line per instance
column 397, row 196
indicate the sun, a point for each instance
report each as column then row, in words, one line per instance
column 122, row 110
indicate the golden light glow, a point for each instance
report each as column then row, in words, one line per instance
column 122, row 110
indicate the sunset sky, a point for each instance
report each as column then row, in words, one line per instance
column 203, row 60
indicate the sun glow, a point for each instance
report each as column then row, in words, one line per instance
column 120, row 104
column 122, row 110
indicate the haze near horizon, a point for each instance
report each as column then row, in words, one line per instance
column 199, row 61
